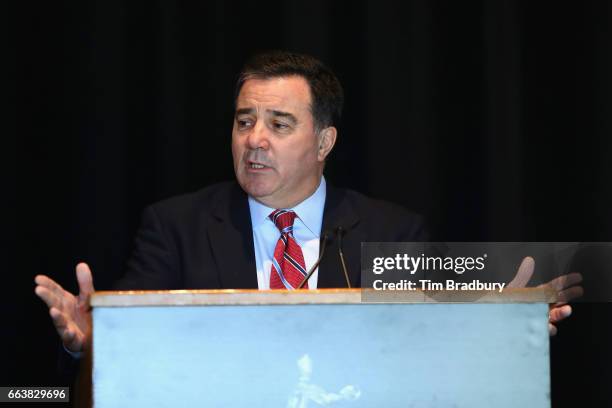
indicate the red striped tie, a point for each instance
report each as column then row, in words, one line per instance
column 288, row 266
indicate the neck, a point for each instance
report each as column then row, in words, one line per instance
column 289, row 202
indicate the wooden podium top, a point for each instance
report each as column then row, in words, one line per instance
column 319, row 296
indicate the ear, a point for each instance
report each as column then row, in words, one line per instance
column 327, row 140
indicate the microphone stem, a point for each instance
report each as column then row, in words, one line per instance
column 348, row 281
column 316, row 264
column 340, row 232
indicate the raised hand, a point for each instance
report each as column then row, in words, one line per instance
column 71, row 314
column 566, row 287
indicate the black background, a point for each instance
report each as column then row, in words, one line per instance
column 492, row 118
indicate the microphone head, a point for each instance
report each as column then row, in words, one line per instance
column 339, row 233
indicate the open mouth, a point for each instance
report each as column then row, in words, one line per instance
column 256, row 166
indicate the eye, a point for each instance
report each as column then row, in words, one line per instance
column 280, row 126
column 244, row 123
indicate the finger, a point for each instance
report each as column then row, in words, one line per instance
column 43, row 280
column 50, row 284
column 564, row 281
column 63, row 326
column 72, row 341
column 48, row 297
column 524, row 273
column 68, row 336
column 552, row 329
column 59, row 319
column 567, row 295
column 557, row 314
column 68, row 331
column 85, row 280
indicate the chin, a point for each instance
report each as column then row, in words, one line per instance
column 256, row 188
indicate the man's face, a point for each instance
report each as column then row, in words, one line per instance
column 277, row 155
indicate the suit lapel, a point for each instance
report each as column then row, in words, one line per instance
column 231, row 238
column 339, row 212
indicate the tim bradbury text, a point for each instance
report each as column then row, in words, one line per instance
column 426, row 284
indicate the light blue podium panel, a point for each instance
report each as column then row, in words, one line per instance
column 323, row 348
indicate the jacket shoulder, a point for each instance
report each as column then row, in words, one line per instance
column 371, row 207
column 202, row 201
column 386, row 220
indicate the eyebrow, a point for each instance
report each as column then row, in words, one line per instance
column 276, row 113
column 244, row 111
column 285, row 115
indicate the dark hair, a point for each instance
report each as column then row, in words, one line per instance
column 326, row 92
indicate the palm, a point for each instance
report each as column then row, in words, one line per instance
column 79, row 322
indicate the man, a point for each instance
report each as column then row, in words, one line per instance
column 266, row 231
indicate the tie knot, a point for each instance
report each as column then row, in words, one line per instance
column 283, row 219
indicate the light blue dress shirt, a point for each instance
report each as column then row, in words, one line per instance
column 306, row 231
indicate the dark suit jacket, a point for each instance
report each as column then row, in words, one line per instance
column 204, row 240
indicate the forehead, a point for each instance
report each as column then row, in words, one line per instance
column 280, row 93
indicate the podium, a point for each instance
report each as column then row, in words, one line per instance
column 315, row 348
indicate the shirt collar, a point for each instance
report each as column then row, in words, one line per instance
column 309, row 211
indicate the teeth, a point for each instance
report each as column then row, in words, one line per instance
column 257, row 166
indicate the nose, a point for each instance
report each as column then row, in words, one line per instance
column 258, row 137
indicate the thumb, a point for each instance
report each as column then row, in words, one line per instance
column 85, row 280
column 524, row 273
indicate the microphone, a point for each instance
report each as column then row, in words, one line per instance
column 316, row 264
column 340, row 233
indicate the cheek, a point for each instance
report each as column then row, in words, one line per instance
column 308, row 154
column 299, row 160
column 236, row 148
